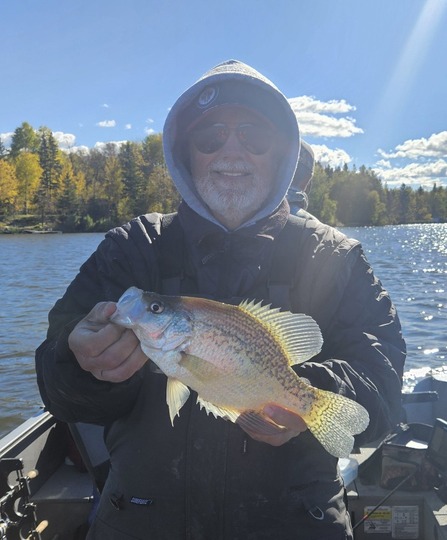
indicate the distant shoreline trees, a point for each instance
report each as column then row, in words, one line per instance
column 358, row 198
column 99, row 189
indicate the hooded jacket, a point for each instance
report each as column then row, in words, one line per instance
column 236, row 83
column 205, row 478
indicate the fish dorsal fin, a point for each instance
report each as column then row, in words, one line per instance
column 298, row 333
column 176, row 395
column 216, row 411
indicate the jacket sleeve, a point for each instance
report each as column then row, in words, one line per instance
column 69, row 392
column 363, row 353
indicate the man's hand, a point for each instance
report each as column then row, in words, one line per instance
column 275, row 425
column 110, row 352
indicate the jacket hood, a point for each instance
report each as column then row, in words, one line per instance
column 231, row 82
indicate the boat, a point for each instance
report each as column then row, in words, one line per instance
column 51, row 475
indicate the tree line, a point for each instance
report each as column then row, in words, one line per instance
column 94, row 190
column 357, row 197
column 82, row 191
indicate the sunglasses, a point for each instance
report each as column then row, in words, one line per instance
column 256, row 139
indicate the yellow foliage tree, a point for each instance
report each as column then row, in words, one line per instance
column 28, row 173
column 8, row 187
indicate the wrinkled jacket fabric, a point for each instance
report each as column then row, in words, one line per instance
column 205, row 478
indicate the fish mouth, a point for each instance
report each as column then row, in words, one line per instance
column 126, row 307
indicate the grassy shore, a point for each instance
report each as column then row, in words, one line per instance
column 24, row 223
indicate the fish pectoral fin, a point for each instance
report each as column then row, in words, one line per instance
column 201, row 369
column 177, row 394
column 216, row 410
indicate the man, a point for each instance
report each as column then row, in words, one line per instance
column 231, row 145
column 297, row 194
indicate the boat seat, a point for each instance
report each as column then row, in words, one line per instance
column 435, row 406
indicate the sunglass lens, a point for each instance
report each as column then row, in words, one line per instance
column 256, row 139
column 210, row 139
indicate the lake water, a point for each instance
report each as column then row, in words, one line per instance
column 410, row 260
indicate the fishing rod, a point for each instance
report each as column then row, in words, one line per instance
column 17, row 513
column 387, row 496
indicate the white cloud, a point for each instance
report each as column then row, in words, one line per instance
column 84, row 150
column 102, row 145
column 433, row 147
column 105, row 106
column 6, row 138
column 149, row 131
column 415, row 162
column 330, row 157
column 316, row 118
column 310, row 103
column 64, row 140
column 128, row 126
column 384, row 163
column 106, row 123
column 415, row 174
column 149, row 121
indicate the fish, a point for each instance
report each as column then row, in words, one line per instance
column 238, row 358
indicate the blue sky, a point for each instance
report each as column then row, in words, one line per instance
column 367, row 78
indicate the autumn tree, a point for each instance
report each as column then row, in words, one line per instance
column 152, row 153
column 163, row 195
column 8, row 187
column 113, row 183
column 135, row 183
column 70, row 202
column 28, row 173
column 24, row 139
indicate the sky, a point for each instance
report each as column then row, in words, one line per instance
column 367, row 79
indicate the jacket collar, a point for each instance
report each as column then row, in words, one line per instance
column 200, row 232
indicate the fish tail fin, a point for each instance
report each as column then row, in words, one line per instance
column 334, row 420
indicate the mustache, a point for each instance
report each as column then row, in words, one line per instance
column 239, row 167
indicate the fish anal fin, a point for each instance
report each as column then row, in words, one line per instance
column 217, row 411
column 177, row 394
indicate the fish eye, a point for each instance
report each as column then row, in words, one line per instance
column 156, row 307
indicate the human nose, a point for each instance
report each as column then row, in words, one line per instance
column 233, row 143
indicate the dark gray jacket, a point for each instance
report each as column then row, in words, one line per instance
column 205, row 474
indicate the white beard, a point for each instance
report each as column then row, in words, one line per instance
column 234, row 199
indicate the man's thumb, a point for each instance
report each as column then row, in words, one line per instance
column 102, row 312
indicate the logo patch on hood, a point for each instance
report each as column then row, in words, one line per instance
column 207, row 97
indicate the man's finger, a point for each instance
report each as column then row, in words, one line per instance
column 101, row 313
